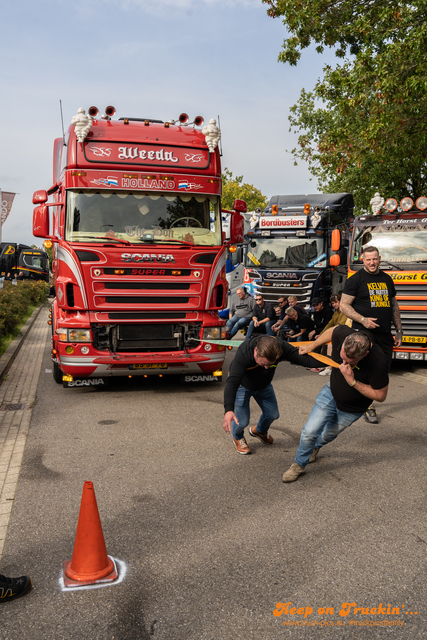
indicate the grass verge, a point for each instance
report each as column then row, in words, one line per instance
column 6, row 340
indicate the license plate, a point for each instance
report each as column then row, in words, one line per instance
column 418, row 339
column 149, row 365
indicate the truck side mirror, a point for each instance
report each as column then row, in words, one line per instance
column 240, row 206
column 39, row 197
column 336, row 240
column 237, row 227
column 41, row 221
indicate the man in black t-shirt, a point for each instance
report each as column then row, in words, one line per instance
column 321, row 317
column 369, row 299
column 299, row 324
column 361, row 377
column 251, row 374
column 263, row 317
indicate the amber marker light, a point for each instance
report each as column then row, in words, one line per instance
column 232, row 249
column 306, row 209
column 176, row 273
column 48, row 243
column 119, row 272
column 274, row 210
column 133, row 176
column 78, row 173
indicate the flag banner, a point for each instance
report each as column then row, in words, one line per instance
column 6, row 204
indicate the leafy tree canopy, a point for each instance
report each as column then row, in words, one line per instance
column 233, row 188
column 369, row 135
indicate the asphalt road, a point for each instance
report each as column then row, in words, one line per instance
column 209, row 541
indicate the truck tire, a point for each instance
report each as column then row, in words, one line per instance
column 57, row 373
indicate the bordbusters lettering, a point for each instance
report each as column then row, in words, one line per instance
column 147, row 257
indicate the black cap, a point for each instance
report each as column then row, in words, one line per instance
column 316, row 301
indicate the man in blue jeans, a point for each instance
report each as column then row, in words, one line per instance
column 361, row 377
column 251, row 373
column 241, row 312
column 263, row 317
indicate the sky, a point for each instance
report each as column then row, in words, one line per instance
column 150, row 59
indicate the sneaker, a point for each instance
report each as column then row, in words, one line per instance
column 266, row 439
column 241, row 446
column 313, row 456
column 325, row 372
column 292, row 473
column 317, row 369
column 370, row 415
column 12, row 588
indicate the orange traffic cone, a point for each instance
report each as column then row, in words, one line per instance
column 90, row 563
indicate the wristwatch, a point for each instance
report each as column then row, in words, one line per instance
column 351, row 384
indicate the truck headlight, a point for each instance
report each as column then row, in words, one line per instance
column 73, row 335
column 212, row 333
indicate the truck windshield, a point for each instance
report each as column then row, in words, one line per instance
column 97, row 216
column 395, row 244
column 278, row 253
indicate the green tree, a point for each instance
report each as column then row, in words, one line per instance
column 362, row 127
column 233, row 188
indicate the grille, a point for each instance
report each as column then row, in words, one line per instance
column 146, row 271
column 145, row 316
column 154, row 286
column 145, row 300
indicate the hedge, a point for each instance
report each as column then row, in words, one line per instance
column 15, row 302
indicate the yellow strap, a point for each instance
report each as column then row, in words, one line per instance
column 317, row 356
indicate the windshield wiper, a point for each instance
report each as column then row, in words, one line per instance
column 104, row 238
column 166, row 241
column 395, row 266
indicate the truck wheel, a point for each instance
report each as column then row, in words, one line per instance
column 57, row 373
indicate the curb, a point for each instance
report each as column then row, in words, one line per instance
column 12, row 351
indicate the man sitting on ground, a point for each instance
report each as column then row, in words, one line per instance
column 241, row 311
column 263, row 317
column 300, row 325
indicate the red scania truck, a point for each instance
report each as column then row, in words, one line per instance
column 134, row 215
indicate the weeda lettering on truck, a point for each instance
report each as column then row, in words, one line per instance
column 168, row 156
column 147, row 257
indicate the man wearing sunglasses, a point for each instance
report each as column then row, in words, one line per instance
column 263, row 317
